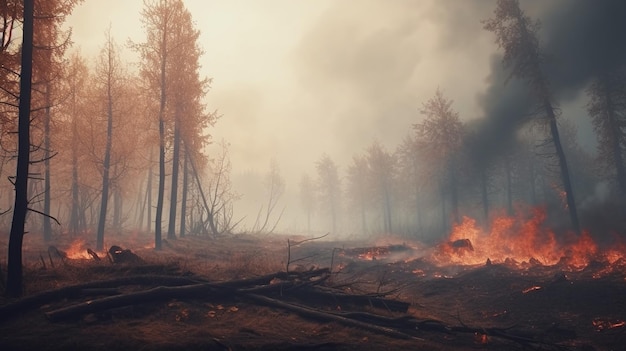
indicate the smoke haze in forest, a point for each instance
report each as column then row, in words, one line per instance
column 295, row 79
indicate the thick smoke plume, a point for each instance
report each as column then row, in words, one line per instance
column 580, row 39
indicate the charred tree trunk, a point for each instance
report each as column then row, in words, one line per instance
column 106, row 165
column 171, row 230
column 160, row 196
column 14, row 267
column 149, row 195
column 74, row 212
column 565, row 176
column 105, row 172
column 183, row 205
column 47, row 226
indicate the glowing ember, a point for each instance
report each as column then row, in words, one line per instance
column 516, row 240
column 601, row 324
column 532, row 288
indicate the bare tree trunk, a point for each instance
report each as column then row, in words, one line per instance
column 567, row 185
column 183, row 205
column 171, row 231
column 14, row 267
column 149, row 194
column 107, row 155
column 74, row 211
column 160, row 196
column 47, row 226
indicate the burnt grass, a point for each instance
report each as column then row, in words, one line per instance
column 555, row 307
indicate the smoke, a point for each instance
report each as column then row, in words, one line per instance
column 579, row 38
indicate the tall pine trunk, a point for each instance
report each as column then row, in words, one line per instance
column 183, row 204
column 171, row 231
column 47, row 226
column 565, row 177
column 160, row 196
column 106, row 166
column 16, row 238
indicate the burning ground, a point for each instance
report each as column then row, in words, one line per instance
column 515, row 285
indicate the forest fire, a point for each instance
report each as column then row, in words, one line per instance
column 520, row 240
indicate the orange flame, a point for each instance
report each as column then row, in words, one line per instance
column 77, row 250
column 518, row 239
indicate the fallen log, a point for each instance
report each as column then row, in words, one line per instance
column 325, row 316
column 34, row 301
column 340, row 297
column 156, row 294
column 186, row 291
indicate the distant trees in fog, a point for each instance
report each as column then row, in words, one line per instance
column 607, row 109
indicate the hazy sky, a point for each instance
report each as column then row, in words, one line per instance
column 297, row 78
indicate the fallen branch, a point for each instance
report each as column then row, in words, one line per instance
column 313, row 313
column 156, row 294
column 37, row 300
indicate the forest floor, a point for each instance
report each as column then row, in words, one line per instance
column 544, row 307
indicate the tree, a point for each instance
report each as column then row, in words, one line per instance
column 169, row 66
column 221, row 194
column 440, row 135
column 329, row 188
column 607, row 109
column 109, row 78
column 381, row 167
column 50, row 43
column 14, row 267
column 358, row 189
column 275, row 188
column 76, row 77
column 516, row 33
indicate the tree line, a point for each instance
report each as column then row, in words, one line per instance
column 97, row 136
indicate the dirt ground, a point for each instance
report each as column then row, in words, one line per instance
column 555, row 307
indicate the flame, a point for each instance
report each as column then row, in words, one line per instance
column 602, row 324
column 520, row 240
column 77, row 250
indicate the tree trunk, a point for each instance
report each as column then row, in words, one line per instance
column 74, row 210
column 149, row 194
column 567, row 185
column 105, row 172
column 160, row 196
column 14, row 267
column 47, row 226
column 183, row 205
column 171, row 231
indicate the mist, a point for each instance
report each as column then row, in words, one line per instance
column 293, row 82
